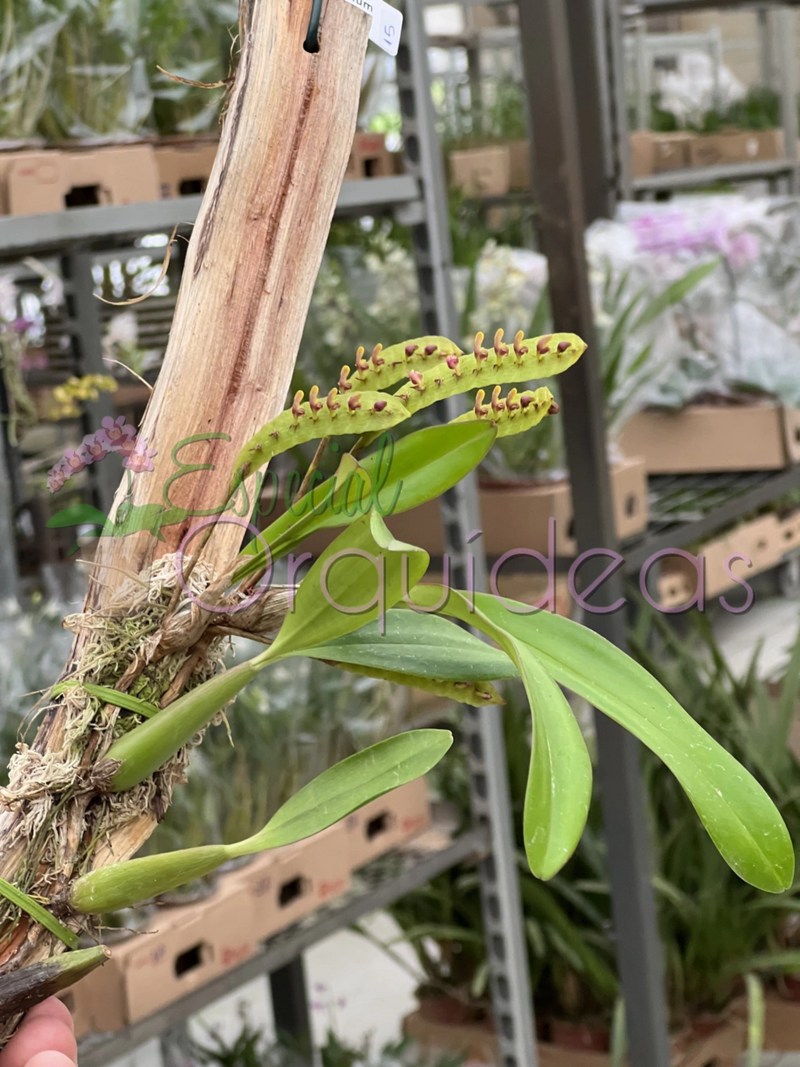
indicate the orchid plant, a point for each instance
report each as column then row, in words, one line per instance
column 364, row 606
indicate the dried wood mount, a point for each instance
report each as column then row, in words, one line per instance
column 251, row 265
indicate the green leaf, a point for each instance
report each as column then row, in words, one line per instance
column 331, row 796
column 77, row 515
column 355, row 580
column 559, row 784
column 418, row 468
column 420, row 645
column 39, row 914
column 349, row 785
column 109, row 696
column 743, row 822
column 674, row 293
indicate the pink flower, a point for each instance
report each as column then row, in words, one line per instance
column 115, row 433
column 75, row 461
column 33, row 359
column 56, row 477
column 96, row 446
column 140, row 458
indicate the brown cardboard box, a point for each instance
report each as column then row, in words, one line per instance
column 284, row 885
column 187, row 948
column 782, row 1025
column 387, row 822
column 721, row 1048
column 707, row 437
column 481, row 171
column 37, row 182
column 735, row 146
column 654, row 153
column 516, row 515
column 184, row 167
column 369, row 157
column 761, row 541
column 519, row 166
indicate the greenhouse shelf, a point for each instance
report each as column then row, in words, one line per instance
column 729, row 496
column 692, row 177
column 666, row 7
column 27, row 234
column 378, row 885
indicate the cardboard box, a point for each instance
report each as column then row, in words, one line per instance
column 284, row 885
column 707, row 437
column 481, row 171
column 387, row 822
column 187, row 948
column 515, row 515
column 185, row 167
column 40, row 182
column 369, row 158
column 782, row 1025
column 519, row 166
column 761, row 541
column 721, row 1048
column 736, row 146
column 654, row 153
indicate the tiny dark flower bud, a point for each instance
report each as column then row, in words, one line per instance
column 543, row 347
column 379, row 405
column 563, row 346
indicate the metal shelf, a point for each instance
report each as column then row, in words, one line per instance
column 666, row 7
column 692, row 177
column 29, row 234
column 379, row 884
column 734, row 496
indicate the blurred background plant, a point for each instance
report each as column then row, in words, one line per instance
column 249, row 1049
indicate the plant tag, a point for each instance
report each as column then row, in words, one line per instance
column 387, row 22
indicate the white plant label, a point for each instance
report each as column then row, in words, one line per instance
column 387, row 22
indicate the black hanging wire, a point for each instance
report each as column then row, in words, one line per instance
column 311, row 43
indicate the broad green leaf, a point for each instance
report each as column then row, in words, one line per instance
column 424, row 652
column 349, row 785
column 559, row 784
column 331, row 796
column 743, row 822
column 355, row 580
column 422, row 645
column 402, row 475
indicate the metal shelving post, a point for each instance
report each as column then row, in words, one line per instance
column 483, row 730
column 552, row 98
